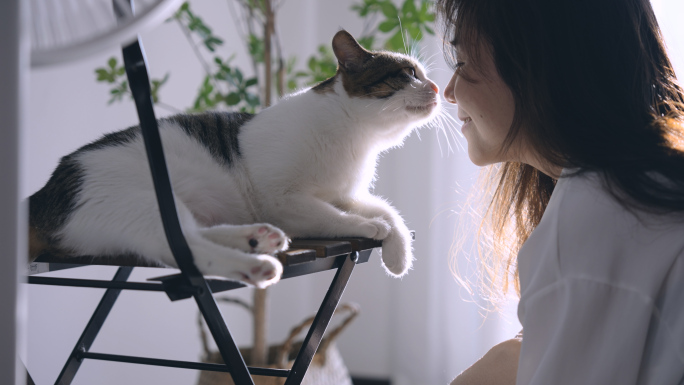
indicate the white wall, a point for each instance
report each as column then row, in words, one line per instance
column 421, row 329
column 13, row 101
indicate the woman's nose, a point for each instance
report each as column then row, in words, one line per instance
column 449, row 91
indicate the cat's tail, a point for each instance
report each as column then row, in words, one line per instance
column 39, row 244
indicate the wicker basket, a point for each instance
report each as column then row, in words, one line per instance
column 327, row 367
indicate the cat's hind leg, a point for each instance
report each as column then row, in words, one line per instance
column 213, row 259
column 254, row 238
column 223, row 258
column 129, row 222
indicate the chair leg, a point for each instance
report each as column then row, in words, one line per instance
column 92, row 328
column 224, row 341
column 321, row 321
column 29, row 380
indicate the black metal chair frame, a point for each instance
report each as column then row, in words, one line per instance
column 190, row 282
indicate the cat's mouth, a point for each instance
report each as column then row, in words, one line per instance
column 422, row 109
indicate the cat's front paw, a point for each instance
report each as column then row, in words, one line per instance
column 397, row 254
column 262, row 272
column 376, row 228
column 267, row 239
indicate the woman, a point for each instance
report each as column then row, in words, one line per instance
column 577, row 103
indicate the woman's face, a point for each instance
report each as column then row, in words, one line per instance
column 485, row 106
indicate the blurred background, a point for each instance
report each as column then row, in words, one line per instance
column 421, row 329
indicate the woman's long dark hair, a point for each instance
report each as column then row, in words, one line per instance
column 594, row 90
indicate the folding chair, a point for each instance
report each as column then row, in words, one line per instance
column 304, row 257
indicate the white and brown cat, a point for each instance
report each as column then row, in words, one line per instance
column 244, row 183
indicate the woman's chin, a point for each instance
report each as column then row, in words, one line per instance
column 478, row 158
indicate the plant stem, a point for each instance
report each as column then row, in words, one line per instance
column 268, row 69
column 249, row 18
column 260, row 309
column 203, row 62
column 280, row 85
column 281, row 78
column 168, row 107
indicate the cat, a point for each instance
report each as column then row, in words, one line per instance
column 245, row 183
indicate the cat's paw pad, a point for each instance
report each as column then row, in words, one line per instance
column 264, row 272
column 397, row 255
column 267, row 239
column 376, row 228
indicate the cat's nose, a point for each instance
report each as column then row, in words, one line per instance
column 434, row 87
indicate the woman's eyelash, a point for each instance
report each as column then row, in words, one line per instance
column 457, row 66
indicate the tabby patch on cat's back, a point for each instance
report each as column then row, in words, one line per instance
column 244, row 184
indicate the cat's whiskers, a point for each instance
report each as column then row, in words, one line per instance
column 373, row 103
column 445, row 124
column 392, row 103
column 448, row 121
column 402, row 31
column 429, row 63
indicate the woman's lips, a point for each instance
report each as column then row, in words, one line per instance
column 466, row 122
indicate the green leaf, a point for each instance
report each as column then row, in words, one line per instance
column 291, row 61
column 256, row 48
column 112, row 62
column 156, row 85
column 395, row 43
column 216, row 99
column 429, row 30
column 367, row 42
column 291, row 85
column 251, row 82
column 414, row 31
column 232, row 99
column 212, row 42
column 388, row 25
column 252, row 100
column 104, row 76
column 389, row 9
column 408, row 8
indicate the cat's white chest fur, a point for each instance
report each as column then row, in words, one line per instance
column 317, row 144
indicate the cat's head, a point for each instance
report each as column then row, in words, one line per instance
column 387, row 90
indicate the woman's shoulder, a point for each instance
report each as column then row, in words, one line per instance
column 587, row 203
column 599, row 238
column 587, row 235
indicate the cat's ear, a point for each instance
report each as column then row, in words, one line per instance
column 349, row 52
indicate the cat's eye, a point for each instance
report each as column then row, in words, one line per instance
column 409, row 71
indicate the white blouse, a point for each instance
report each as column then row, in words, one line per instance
column 602, row 292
